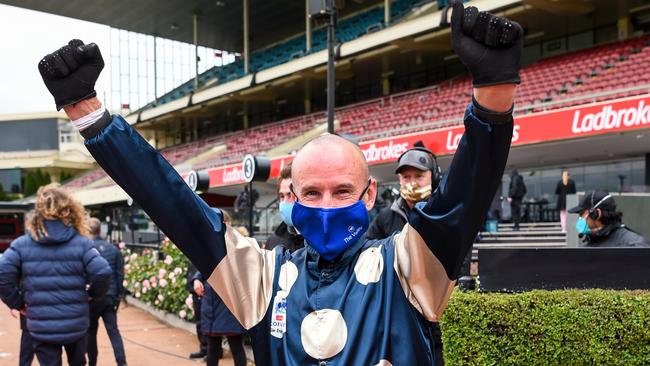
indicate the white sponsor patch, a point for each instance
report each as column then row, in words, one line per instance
column 279, row 314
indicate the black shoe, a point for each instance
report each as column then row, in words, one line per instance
column 199, row 354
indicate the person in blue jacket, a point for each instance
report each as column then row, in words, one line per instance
column 342, row 299
column 60, row 271
column 216, row 322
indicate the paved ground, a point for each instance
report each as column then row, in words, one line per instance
column 147, row 341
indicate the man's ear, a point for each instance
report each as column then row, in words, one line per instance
column 371, row 195
column 599, row 214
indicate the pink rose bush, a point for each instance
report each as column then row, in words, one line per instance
column 159, row 283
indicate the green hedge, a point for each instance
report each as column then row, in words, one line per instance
column 572, row 327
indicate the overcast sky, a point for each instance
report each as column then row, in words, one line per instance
column 26, row 37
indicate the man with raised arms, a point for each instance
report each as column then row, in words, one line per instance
column 343, row 299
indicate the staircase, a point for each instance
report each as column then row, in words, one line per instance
column 542, row 234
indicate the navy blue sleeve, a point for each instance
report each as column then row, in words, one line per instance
column 450, row 219
column 119, row 272
column 98, row 272
column 10, row 265
column 154, row 184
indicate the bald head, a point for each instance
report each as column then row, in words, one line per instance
column 330, row 171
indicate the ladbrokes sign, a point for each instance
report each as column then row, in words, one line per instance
column 610, row 118
column 575, row 122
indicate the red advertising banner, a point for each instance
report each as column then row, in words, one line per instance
column 569, row 123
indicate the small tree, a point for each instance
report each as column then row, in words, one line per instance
column 30, row 186
column 3, row 195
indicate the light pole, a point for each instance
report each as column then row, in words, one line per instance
column 331, row 80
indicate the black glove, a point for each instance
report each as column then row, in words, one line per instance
column 489, row 46
column 70, row 72
column 116, row 303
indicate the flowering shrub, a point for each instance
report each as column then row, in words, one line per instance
column 160, row 284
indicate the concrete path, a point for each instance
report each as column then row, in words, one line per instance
column 147, row 341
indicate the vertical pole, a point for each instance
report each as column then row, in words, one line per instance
column 387, row 13
column 195, row 23
column 331, row 40
column 246, row 43
column 307, row 27
column 155, row 70
column 647, row 169
column 250, row 209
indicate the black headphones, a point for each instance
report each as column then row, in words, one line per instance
column 593, row 214
column 436, row 172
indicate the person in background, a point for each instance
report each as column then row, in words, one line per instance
column 415, row 171
column 600, row 225
column 60, row 270
column 196, row 307
column 565, row 186
column 241, row 203
column 516, row 194
column 26, row 345
column 285, row 234
column 106, row 306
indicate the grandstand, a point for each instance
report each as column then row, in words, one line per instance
column 574, row 77
column 397, row 80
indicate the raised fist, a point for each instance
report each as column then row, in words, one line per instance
column 71, row 71
column 488, row 45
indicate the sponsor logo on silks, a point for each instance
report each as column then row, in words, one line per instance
column 609, row 118
column 279, row 314
column 353, row 233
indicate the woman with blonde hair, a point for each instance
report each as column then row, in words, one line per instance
column 60, row 271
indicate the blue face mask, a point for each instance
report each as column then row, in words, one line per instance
column 330, row 231
column 285, row 212
column 582, row 227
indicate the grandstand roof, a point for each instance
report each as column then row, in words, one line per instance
column 220, row 21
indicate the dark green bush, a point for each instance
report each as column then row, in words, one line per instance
column 572, row 327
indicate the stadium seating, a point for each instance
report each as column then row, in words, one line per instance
column 576, row 78
column 348, row 29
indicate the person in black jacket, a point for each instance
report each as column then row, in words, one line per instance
column 196, row 306
column 106, row 307
column 600, row 225
column 516, row 193
column 285, row 234
column 60, row 271
column 564, row 186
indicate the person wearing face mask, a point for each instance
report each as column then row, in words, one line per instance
column 415, row 169
column 342, row 299
column 600, row 225
column 285, row 234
